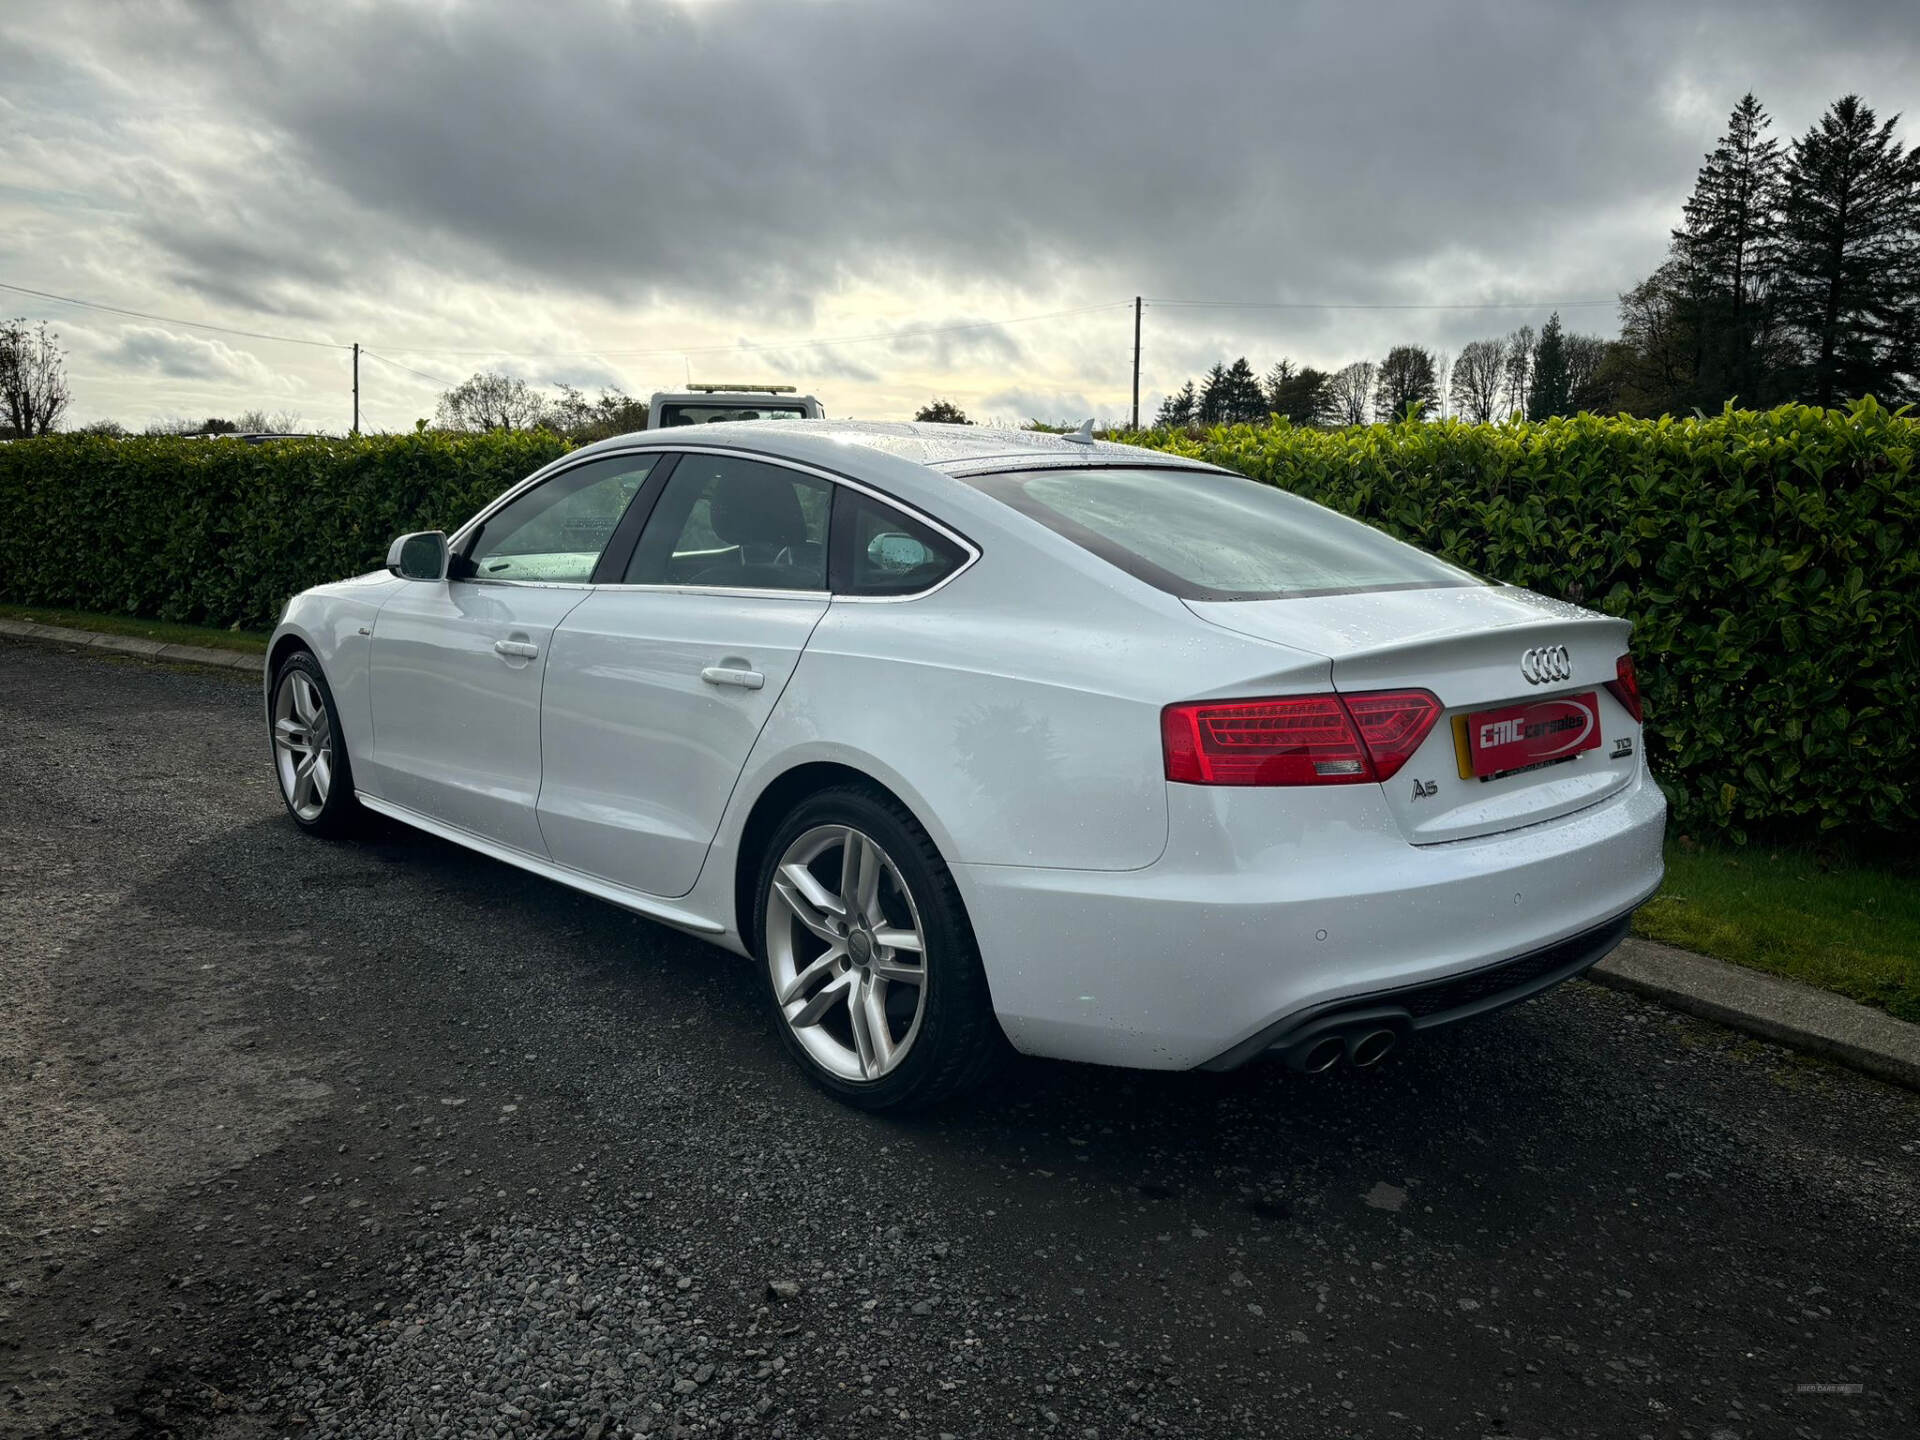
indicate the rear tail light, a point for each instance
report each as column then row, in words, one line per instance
column 1393, row 723
column 1296, row 739
column 1626, row 688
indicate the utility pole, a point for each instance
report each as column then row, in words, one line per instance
column 1136, row 362
column 356, row 387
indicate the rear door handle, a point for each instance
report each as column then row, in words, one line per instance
column 519, row 649
column 733, row 675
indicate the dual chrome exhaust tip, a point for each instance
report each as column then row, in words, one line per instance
column 1361, row 1044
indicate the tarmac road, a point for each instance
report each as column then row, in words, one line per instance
column 384, row 1138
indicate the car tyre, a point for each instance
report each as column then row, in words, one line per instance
column 839, row 974
column 309, row 750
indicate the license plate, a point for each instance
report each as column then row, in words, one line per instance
column 1518, row 736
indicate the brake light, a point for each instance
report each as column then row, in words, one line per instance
column 1393, row 723
column 1626, row 688
column 1295, row 739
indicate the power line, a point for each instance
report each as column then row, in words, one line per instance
column 408, row 368
column 795, row 343
column 1343, row 305
column 172, row 319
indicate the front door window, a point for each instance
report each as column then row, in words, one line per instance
column 556, row 531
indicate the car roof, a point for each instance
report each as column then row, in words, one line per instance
column 771, row 397
column 954, row 449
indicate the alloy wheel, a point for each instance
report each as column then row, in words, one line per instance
column 847, row 952
column 302, row 744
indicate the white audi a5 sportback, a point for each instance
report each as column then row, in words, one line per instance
column 965, row 733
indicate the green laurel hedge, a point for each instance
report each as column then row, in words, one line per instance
column 220, row 532
column 1770, row 564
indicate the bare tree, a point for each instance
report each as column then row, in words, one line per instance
column 1405, row 384
column 1658, row 333
column 491, row 401
column 1442, row 370
column 172, row 425
column 33, row 378
column 267, row 422
column 1350, row 393
column 1519, row 376
column 1585, row 355
column 1478, row 376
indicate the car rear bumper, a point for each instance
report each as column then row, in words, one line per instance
column 1303, row 1040
column 1270, row 909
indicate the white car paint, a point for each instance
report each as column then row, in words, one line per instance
column 640, row 752
column 1014, row 709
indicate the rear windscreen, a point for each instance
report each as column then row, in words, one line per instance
column 713, row 414
column 1206, row 536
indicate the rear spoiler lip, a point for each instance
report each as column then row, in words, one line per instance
column 1545, row 627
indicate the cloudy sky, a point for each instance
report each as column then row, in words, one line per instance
column 965, row 196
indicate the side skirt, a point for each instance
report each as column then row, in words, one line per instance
column 633, row 900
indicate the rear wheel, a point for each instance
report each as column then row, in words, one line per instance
column 871, row 966
column 309, row 756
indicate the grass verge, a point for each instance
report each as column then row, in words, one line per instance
column 247, row 642
column 1849, row 926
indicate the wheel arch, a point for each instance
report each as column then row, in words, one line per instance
column 773, row 804
column 284, row 644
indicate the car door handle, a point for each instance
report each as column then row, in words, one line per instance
column 733, row 675
column 519, row 649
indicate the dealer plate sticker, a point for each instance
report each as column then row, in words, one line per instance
column 1499, row 741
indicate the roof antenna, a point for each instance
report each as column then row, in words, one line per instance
column 1082, row 436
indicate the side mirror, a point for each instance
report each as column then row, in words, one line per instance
column 896, row 553
column 420, row 556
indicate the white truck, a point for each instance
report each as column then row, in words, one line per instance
column 703, row 404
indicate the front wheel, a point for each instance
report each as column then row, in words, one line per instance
column 309, row 755
column 872, row 968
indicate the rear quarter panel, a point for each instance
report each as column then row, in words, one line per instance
column 1017, row 713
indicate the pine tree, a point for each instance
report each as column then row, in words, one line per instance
column 1177, row 410
column 1727, row 252
column 1278, row 379
column 1214, row 397
column 1849, row 282
column 1551, row 390
column 1246, row 399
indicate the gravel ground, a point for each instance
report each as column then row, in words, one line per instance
column 383, row 1138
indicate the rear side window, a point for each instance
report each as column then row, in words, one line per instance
column 1204, row 536
column 736, row 524
column 879, row 551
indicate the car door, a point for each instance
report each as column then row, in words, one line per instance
column 456, row 666
column 658, row 686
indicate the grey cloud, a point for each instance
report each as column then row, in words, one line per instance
column 1053, row 406
column 808, row 362
column 762, row 151
column 184, row 357
column 950, row 342
column 750, row 160
column 589, row 375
